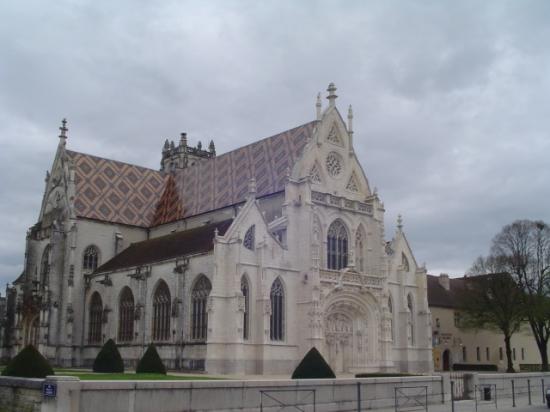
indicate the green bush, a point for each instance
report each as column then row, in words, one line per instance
column 151, row 362
column 475, row 367
column 29, row 363
column 313, row 366
column 108, row 360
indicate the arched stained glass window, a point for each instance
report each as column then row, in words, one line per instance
column 411, row 319
column 249, row 237
column 126, row 311
column 90, row 259
column 199, row 315
column 337, row 246
column 277, row 297
column 45, row 267
column 246, row 314
column 162, row 304
column 96, row 319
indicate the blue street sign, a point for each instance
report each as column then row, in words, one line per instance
column 49, row 390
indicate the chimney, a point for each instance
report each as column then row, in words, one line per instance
column 444, row 281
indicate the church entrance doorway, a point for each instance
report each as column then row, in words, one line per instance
column 446, row 360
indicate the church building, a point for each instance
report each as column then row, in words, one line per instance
column 236, row 263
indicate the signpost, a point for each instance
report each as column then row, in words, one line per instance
column 49, row 390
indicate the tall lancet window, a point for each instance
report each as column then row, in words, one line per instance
column 199, row 315
column 45, row 267
column 246, row 314
column 277, row 297
column 96, row 319
column 162, row 305
column 360, row 249
column 410, row 319
column 90, row 259
column 126, row 312
column 337, row 246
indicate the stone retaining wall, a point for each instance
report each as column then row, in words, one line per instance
column 20, row 395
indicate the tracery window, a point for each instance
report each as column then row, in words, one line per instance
column 249, row 238
column 45, row 267
column 246, row 314
column 199, row 315
column 96, row 319
column 411, row 319
column 277, row 297
column 162, row 304
column 126, row 312
column 337, row 246
column 90, row 259
column 360, row 250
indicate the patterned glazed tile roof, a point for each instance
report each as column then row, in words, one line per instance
column 188, row 242
column 114, row 191
column 169, row 207
column 223, row 181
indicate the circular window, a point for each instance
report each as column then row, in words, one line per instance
column 334, row 164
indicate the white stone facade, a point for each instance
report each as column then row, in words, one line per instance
column 314, row 253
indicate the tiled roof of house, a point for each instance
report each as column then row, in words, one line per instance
column 118, row 192
column 438, row 296
column 114, row 191
column 188, row 242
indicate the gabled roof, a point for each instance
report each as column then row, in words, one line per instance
column 188, row 242
column 223, row 180
column 438, row 296
column 114, row 191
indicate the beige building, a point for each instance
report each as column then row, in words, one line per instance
column 453, row 344
column 231, row 263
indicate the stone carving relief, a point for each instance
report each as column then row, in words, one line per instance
column 333, row 136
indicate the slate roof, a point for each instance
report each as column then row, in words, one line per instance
column 188, row 242
column 438, row 296
column 113, row 191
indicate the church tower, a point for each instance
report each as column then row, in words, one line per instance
column 181, row 156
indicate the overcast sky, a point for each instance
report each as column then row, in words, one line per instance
column 451, row 99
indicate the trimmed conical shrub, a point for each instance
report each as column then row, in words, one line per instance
column 29, row 363
column 151, row 362
column 108, row 360
column 313, row 366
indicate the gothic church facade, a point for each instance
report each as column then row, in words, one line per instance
column 234, row 264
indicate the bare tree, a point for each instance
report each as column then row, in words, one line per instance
column 493, row 301
column 523, row 250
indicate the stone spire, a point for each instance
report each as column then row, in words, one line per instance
column 400, row 222
column 331, row 95
column 318, row 106
column 212, row 147
column 64, row 130
column 183, row 139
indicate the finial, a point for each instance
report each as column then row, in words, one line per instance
column 318, row 106
column 331, row 94
column 63, row 129
column 199, row 145
column 350, row 119
column 183, row 139
column 212, row 147
column 252, row 187
column 166, row 146
column 400, row 222
column 172, row 146
column 216, row 232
